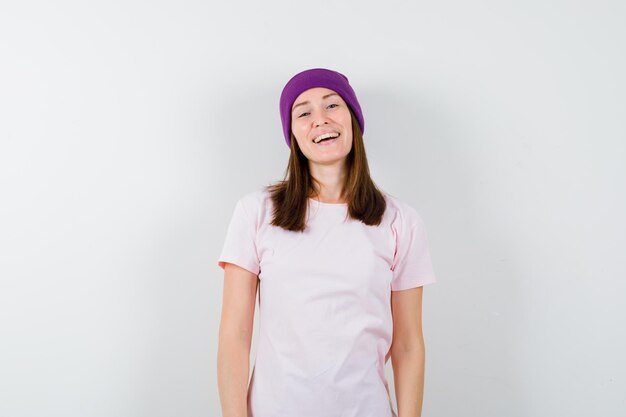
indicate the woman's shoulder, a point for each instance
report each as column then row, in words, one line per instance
column 400, row 212
column 255, row 197
column 255, row 202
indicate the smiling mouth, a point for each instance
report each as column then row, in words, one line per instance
column 326, row 137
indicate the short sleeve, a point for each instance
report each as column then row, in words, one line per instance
column 412, row 266
column 239, row 245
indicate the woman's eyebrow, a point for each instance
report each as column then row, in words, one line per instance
column 306, row 102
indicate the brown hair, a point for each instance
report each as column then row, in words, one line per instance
column 290, row 196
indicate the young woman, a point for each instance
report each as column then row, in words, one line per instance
column 340, row 267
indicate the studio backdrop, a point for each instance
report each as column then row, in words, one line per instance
column 129, row 129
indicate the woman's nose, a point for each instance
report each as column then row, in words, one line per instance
column 320, row 119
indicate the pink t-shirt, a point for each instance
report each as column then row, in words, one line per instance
column 325, row 322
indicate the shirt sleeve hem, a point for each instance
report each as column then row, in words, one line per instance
column 247, row 266
column 409, row 285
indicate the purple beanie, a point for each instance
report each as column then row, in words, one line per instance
column 316, row 77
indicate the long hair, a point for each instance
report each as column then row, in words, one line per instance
column 290, row 196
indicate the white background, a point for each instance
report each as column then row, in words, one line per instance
column 129, row 129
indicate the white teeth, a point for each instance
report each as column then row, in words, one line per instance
column 324, row 136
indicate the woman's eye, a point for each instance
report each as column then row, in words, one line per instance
column 337, row 105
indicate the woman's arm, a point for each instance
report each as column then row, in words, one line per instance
column 235, row 337
column 407, row 351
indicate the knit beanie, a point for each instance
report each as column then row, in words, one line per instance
column 316, row 77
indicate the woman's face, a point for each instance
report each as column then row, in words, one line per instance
column 318, row 111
